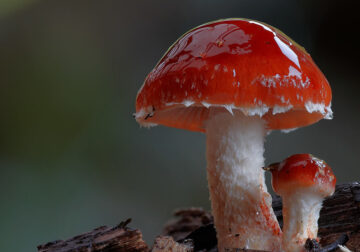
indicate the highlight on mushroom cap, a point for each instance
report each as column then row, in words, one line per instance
column 234, row 64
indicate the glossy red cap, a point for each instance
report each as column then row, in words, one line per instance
column 302, row 171
column 234, row 64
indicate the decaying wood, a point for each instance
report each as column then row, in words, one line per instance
column 167, row 243
column 187, row 221
column 104, row 239
column 193, row 229
column 312, row 245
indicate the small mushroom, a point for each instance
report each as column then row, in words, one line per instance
column 303, row 181
column 235, row 80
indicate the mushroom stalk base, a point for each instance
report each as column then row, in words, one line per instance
column 301, row 211
column 241, row 205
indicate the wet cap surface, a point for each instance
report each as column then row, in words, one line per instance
column 303, row 171
column 234, row 64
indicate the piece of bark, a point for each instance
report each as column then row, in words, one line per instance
column 187, row 220
column 167, row 244
column 104, row 239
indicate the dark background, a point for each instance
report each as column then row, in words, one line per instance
column 72, row 157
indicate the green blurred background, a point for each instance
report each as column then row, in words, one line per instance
column 72, row 157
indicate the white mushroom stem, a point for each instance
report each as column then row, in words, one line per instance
column 240, row 202
column 301, row 211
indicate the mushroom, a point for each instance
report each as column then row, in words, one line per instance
column 235, row 80
column 303, row 181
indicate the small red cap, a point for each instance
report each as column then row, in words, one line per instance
column 302, row 171
column 234, row 64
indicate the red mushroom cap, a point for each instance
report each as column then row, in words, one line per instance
column 302, row 171
column 234, row 64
